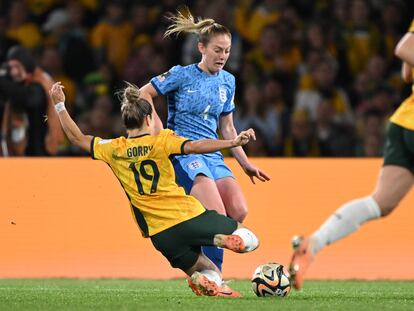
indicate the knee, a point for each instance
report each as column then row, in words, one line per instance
column 238, row 213
column 215, row 205
column 221, row 210
column 387, row 210
column 241, row 215
column 386, row 206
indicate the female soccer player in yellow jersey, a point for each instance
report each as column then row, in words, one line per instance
column 177, row 224
column 394, row 182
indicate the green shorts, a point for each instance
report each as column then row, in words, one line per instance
column 181, row 244
column 399, row 147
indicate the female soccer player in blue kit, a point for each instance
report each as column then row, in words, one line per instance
column 201, row 100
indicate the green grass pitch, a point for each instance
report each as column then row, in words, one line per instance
column 70, row 294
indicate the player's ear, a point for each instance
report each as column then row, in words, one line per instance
column 201, row 48
column 148, row 119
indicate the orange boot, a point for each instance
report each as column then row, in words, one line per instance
column 232, row 242
column 202, row 286
column 301, row 260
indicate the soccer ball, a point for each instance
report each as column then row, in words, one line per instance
column 271, row 280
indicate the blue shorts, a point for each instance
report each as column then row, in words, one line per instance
column 187, row 168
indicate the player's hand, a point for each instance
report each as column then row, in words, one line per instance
column 244, row 137
column 56, row 93
column 252, row 171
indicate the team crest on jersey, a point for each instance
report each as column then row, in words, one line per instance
column 193, row 165
column 163, row 76
column 222, row 94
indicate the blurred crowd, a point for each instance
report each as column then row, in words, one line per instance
column 314, row 78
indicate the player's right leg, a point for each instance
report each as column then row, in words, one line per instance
column 242, row 240
column 340, row 224
column 393, row 184
column 301, row 259
column 211, row 228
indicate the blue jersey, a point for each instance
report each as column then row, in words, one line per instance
column 196, row 99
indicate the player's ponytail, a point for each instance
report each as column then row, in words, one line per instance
column 184, row 21
column 131, row 93
column 134, row 108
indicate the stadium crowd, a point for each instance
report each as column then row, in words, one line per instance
column 314, row 78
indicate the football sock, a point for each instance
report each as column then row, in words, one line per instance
column 344, row 221
column 215, row 254
column 251, row 242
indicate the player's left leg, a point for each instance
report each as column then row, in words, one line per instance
column 194, row 174
column 205, row 279
column 181, row 245
column 205, row 190
column 212, row 276
column 231, row 195
column 211, row 228
column 232, row 199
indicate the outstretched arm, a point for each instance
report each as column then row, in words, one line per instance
column 148, row 92
column 404, row 49
column 406, row 73
column 229, row 132
column 212, row 145
column 70, row 128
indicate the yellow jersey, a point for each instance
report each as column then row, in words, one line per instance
column 404, row 115
column 143, row 167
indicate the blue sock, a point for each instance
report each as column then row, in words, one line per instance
column 215, row 254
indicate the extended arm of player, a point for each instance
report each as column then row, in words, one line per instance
column 70, row 128
column 148, row 92
column 229, row 132
column 406, row 73
column 212, row 145
column 404, row 48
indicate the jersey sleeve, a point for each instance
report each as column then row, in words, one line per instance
column 168, row 81
column 229, row 104
column 173, row 143
column 101, row 149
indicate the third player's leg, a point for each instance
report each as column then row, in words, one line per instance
column 393, row 184
column 234, row 201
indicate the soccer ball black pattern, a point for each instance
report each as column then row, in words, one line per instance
column 271, row 280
